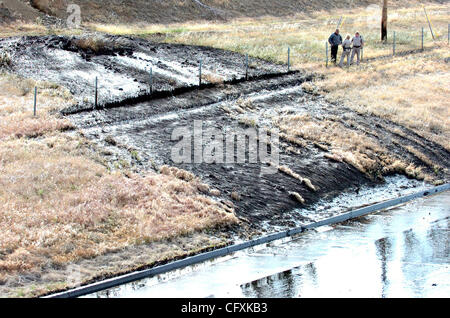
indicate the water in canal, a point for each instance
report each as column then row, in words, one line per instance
column 402, row 252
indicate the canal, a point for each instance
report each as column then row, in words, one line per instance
column 401, row 252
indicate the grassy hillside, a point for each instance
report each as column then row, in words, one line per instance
column 173, row 11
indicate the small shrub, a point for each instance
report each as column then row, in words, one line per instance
column 297, row 197
column 5, row 59
column 94, row 43
column 203, row 188
column 215, row 192
column 235, row 196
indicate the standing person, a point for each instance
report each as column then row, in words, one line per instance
column 347, row 47
column 358, row 44
column 335, row 40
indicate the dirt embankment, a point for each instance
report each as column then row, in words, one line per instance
column 173, row 11
column 138, row 135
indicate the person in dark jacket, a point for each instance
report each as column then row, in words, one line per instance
column 335, row 40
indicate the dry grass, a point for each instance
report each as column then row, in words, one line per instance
column 20, row 28
column 408, row 90
column 58, row 206
column 16, row 107
column 345, row 145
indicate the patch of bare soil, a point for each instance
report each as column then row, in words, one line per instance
column 173, row 11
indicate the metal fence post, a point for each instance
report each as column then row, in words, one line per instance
column 393, row 47
column 151, row 80
column 422, row 37
column 289, row 59
column 326, row 52
column 200, row 74
column 35, row 100
column 246, row 66
column 96, row 92
column 448, row 34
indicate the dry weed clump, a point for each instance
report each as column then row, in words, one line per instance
column 395, row 166
column 178, row 173
column 212, row 78
column 215, row 192
column 235, row 196
column 297, row 197
column 94, row 43
column 345, row 145
column 59, row 206
column 5, row 59
column 245, row 103
column 305, row 181
column 189, row 177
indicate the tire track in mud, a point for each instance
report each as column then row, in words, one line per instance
column 191, row 100
column 203, row 92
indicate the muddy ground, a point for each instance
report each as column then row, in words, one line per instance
column 123, row 65
column 134, row 126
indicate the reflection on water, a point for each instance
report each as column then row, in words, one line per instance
column 384, row 250
column 410, row 264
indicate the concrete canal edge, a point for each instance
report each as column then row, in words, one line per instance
column 124, row 279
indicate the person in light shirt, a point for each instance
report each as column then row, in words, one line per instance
column 358, row 44
column 347, row 47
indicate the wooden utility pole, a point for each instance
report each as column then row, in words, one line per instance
column 384, row 19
